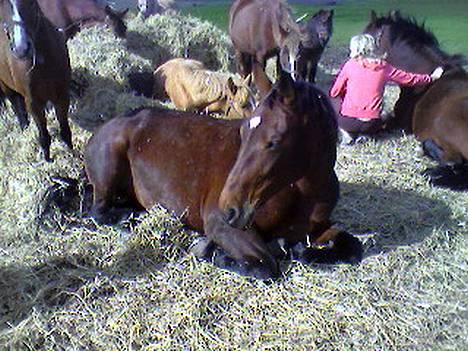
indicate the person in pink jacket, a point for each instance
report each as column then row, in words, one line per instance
column 360, row 84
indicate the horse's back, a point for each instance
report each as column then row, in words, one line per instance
column 442, row 115
column 251, row 25
column 178, row 159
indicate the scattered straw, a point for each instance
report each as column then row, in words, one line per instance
column 67, row 283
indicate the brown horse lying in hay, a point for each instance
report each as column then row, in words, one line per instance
column 69, row 16
column 191, row 87
column 273, row 180
column 34, row 68
column 438, row 113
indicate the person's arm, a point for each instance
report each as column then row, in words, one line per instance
column 339, row 86
column 407, row 78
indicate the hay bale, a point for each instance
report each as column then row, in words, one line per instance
column 162, row 37
column 103, row 63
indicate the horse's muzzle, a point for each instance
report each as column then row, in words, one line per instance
column 239, row 217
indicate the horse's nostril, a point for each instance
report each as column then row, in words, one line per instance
column 231, row 215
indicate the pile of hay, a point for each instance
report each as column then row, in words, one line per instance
column 102, row 63
column 67, row 283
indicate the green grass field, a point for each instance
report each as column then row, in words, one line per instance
column 447, row 20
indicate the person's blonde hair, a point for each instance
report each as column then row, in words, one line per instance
column 364, row 46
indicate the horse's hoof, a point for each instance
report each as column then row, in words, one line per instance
column 348, row 248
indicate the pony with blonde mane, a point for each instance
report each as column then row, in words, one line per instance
column 192, row 87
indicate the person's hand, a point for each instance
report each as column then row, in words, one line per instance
column 437, row 73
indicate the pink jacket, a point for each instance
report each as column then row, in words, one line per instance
column 361, row 84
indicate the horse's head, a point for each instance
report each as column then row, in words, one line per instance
column 318, row 30
column 276, row 145
column 20, row 21
column 115, row 19
column 289, row 54
column 407, row 44
column 240, row 98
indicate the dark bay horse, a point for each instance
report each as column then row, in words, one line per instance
column 241, row 182
column 438, row 113
column 261, row 29
column 34, row 68
column 317, row 32
column 69, row 16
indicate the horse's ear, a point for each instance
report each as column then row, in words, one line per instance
column 327, row 14
column 286, row 87
column 373, row 16
column 232, row 86
column 395, row 15
column 122, row 14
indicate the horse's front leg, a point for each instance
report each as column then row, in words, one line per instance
column 240, row 250
column 19, row 106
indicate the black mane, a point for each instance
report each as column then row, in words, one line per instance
column 408, row 30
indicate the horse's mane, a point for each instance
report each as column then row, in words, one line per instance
column 416, row 35
column 409, row 30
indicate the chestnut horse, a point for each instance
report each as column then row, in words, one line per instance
column 438, row 113
column 69, row 16
column 243, row 183
column 262, row 29
column 34, row 68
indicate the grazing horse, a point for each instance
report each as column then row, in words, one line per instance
column 34, row 68
column 69, row 16
column 261, row 29
column 438, row 113
column 243, row 182
column 192, row 87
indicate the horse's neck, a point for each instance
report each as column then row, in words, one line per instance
column 417, row 60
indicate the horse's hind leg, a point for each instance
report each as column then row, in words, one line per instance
column 19, row 106
column 109, row 173
column 244, row 63
column 38, row 113
column 61, row 111
column 260, row 77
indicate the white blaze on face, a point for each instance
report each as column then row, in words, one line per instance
column 255, row 122
column 19, row 34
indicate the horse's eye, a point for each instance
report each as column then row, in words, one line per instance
column 272, row 144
